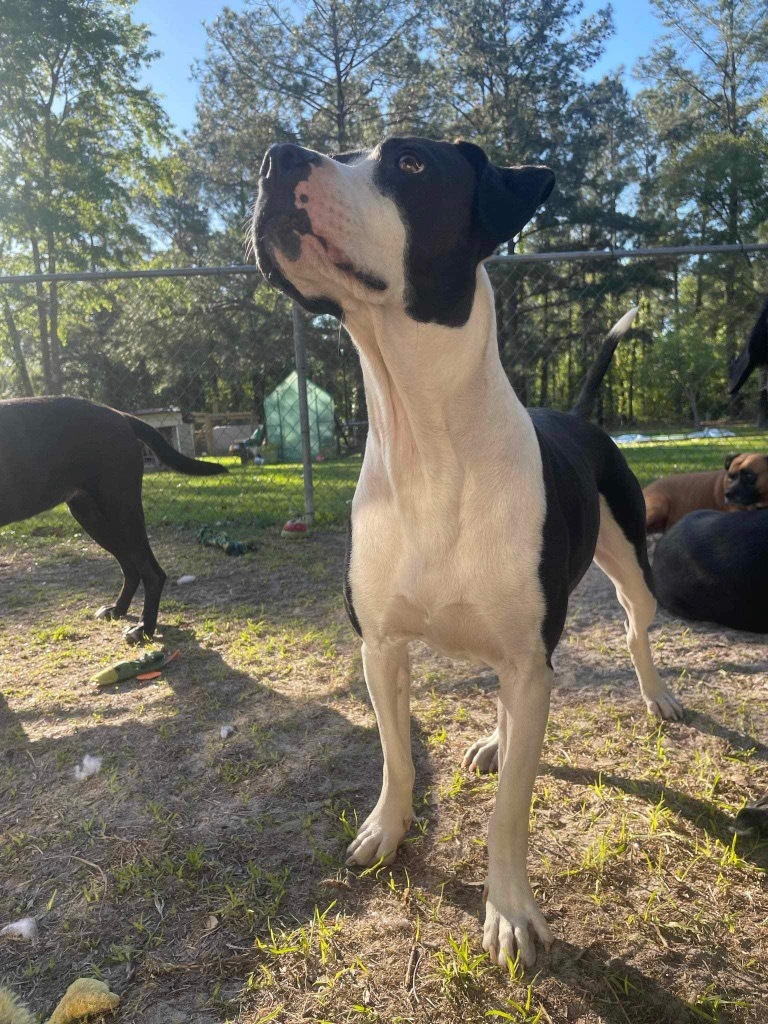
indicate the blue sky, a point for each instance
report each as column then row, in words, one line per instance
column 180, row 35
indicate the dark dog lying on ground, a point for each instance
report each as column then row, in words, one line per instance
column 753, row 819
column 710, row 567
column 741, row 485
column 69, row 449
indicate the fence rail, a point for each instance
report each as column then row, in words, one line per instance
column 209, row 354
column 525, row 257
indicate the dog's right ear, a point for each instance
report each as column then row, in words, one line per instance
column 729, row 459
column 507, row 197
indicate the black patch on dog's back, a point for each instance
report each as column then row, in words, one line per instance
column 579, row 463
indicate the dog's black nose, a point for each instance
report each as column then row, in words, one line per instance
column 284, row 157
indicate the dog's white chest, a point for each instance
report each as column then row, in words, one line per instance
column 468, row 591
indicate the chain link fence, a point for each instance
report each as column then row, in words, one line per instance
column 224, row 369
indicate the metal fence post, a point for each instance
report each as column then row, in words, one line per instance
column 300, row 349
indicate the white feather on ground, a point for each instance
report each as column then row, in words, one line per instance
column 25, row 928
column 90, row 766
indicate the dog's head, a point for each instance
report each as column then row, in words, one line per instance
column 405, row 223
column 746, row 480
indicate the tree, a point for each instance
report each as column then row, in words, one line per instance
column 329, row 76
column 324, row 76
column 705, row 104
column 77, row 141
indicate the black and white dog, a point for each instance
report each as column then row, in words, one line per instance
column 473, row 519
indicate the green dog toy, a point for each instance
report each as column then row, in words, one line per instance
column 129, row 669
column 211, row 538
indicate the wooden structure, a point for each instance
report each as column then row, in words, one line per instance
column 206, row 421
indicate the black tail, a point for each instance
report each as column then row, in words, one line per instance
column 590, row 388
column 754, row 353
column 167, row 453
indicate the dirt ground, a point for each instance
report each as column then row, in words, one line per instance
column 204, row 880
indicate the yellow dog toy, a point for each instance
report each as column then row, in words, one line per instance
column 83, row 998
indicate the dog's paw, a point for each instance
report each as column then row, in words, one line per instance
column 666, row 706
column 483, row 755
column 137, row 634
column 109, row 611
column 513, row 923
column 379, row 837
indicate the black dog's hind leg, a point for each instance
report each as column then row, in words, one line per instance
column 125, row 517
column 88, row 514
column 121, row 516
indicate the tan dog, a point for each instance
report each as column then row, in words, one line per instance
column 741, row 485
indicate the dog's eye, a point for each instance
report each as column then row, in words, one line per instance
column 731, row 476
column 410, row 163
column 749, row 476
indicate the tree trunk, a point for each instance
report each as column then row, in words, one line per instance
column 53, row 318
column 631, row 383
column 762, row 398
column 42, row 319
column 17, row 353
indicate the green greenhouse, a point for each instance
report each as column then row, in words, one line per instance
column 283, row 424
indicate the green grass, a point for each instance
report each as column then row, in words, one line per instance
column 259, row 495
column 264, row 496
column 248, row 496
column 650, row 461
column 211, row 872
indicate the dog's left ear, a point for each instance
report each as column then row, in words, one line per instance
column 729, row 459
column 507, row 197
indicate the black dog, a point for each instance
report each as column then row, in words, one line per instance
column 710, row 567
column 752, row 820
column 90, row 456
column 754, row 353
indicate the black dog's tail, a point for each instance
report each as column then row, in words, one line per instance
column 754, row 353
column 167, row 453
column 590, row 388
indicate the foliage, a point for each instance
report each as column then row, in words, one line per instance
column 92, row 178
column 78, row 143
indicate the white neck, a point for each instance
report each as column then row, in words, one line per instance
column 440, row 407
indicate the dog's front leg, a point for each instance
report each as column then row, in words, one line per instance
column 512, row 919
column 388, row 677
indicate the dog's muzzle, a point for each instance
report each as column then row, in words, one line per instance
column 284, row 159
column 278, row 224
column 742, row 497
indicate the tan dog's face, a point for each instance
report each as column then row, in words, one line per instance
column 746, row 481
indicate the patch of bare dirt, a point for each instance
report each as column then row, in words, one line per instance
column 204, row 879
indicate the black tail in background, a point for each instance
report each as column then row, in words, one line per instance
column 168, row 454
column 590, row 389
column 754, row 353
